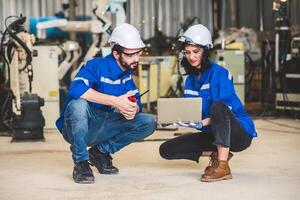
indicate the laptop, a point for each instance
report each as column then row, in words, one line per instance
column 172, row 110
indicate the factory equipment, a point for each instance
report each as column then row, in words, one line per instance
column 97, row 27
column 287, row 61
column 47, row 73
column 154, row 73
column 44, row 65
column 28, row 121
column 243, row 39
column 30, row 124
column 288, row 94
column 234, row 61
column 239, row 51
column 72, row 53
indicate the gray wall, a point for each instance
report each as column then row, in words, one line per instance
column 170, row 14
column 248, row 14
column 142, row 13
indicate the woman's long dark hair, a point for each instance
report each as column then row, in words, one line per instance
column 205, row 63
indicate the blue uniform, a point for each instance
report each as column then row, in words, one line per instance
column 103, row 75
column 216, row 84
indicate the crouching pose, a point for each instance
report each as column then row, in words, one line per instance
column 226, row 127
column 98, row 112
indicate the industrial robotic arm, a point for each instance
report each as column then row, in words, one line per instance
column 72, row 52
column 97, row 27
column 27, row 120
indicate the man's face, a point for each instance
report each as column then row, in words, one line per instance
column 129, row 58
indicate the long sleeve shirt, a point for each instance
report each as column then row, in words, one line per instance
column 216, row 84
column 103, row 75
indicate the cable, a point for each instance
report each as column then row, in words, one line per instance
column 5, row 21
column 284, row 87
column 7, row 30
column 154, row 140
column 249, row 76
column 23, row 45
column 280, row 124
column 2, row 54
column 16, row 27
column 267, row 77
column 109, row 29
column 9, row 95
column 63, row 54
column 275, row 130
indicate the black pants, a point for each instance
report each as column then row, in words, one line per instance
column 226, row 132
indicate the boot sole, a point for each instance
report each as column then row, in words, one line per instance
column 230, row 155
column 95, row 163
column 227, row 177
column 84, row 181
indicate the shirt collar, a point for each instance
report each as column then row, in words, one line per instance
column 116, row 70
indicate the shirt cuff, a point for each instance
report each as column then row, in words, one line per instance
column 78, row 90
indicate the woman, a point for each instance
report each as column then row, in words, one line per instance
column 226, row 126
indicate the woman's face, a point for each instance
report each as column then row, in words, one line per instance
column 194, row 55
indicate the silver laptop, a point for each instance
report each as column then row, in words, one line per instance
column 171, row 110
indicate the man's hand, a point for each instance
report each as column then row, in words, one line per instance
column 122, row 103
column 127, row 108
column 130, row 113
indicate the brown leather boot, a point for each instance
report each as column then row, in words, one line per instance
column 220, row 172
column 213, row 161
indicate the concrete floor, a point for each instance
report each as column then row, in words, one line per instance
column 270, row 169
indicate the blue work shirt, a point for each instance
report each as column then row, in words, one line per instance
column 216, row 84
column 103, row 75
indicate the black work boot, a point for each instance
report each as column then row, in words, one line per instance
column 82, row 173
column 102, row 161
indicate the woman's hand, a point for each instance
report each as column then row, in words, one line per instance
column 196, row 125
column 206, row 121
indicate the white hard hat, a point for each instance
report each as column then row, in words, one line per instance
column 126, row 36
column 198, row 35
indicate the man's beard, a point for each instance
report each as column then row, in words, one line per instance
column 127, row 66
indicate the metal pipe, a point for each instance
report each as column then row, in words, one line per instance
column 233, row 11
column 72, row 15
column 223, row 14
column 261, row 14
column 277, row 52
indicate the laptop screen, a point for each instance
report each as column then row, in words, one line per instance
column 171, row 110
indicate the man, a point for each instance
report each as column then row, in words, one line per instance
column 98, row 112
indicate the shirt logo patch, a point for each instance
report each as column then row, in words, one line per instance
column 109, row 81
column 133, row 91
column 191, row 92
column 115, row 82
column 205, row 86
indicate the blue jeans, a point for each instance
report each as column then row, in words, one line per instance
column 89, row 126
